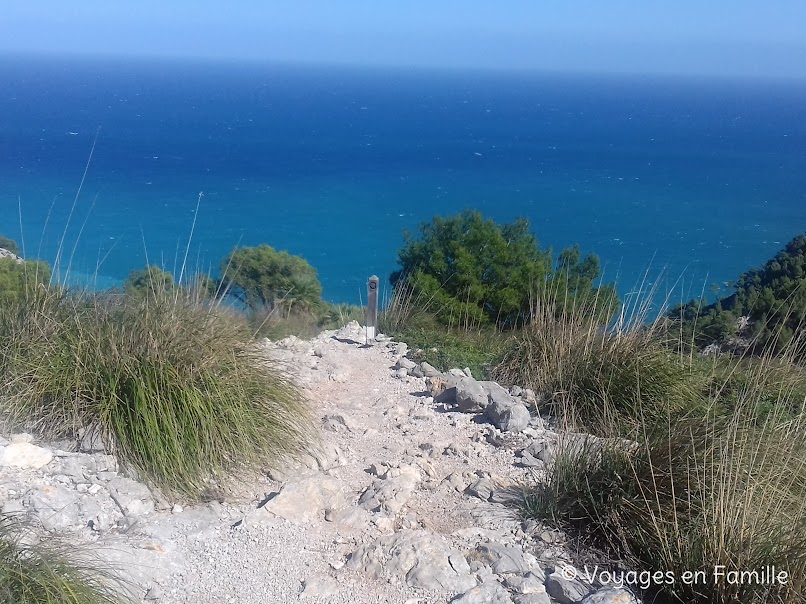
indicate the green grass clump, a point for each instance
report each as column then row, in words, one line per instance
column 715, row 479
column 781, row 391
column 593, row 375
column 446, row 348
column 177, row 386
column 696, row 493
column 49, row 572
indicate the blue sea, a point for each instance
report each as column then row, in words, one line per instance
column 679, row 182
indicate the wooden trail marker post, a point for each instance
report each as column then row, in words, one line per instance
column 372, row 307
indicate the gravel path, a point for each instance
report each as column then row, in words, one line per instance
column 373, row 418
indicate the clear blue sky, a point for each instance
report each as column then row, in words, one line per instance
column 731, row 37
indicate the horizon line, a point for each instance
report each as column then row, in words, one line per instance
column 502, row 70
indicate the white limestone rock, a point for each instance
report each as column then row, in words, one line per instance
column 25, row 455
column 391, row 492
column 504, row 559
column 565, row 591
column 133, row 498
column 56, row 507
column 320, row 586
column 307, row 499
column 470, row 396
column 489, row 592
column 421, row 558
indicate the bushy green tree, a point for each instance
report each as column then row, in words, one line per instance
column 18, row 279
column 148, row 281
column 9, row 244
column 772, row 297
column 472, row 271
column 263, row 278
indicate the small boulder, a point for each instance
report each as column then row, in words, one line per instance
column 404, row 363
column 470, row 396
column 442, row 388
column 532, row 582
column 350, row 517
column 540, row 452
column 483, row 488
column 133, row 498
column 504, row 559
column 565, row 591
column 56, row 507
column 25, row 455
column 508, row 416
column 307, row 499
column 497, row 393
column 429, row 370
column 390, row 494
column 337, row 422
column 457, row 480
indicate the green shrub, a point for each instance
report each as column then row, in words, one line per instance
column 178, row 387
column 263, row 278
column 469, row 271
column 150, row 281
column 49, row 572
column 21, row 279
column 9, row 244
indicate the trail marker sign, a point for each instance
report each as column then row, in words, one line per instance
column 372, row 307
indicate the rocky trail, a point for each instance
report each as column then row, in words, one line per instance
column 408, row 499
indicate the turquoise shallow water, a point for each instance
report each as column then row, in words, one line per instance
column 695, row 178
